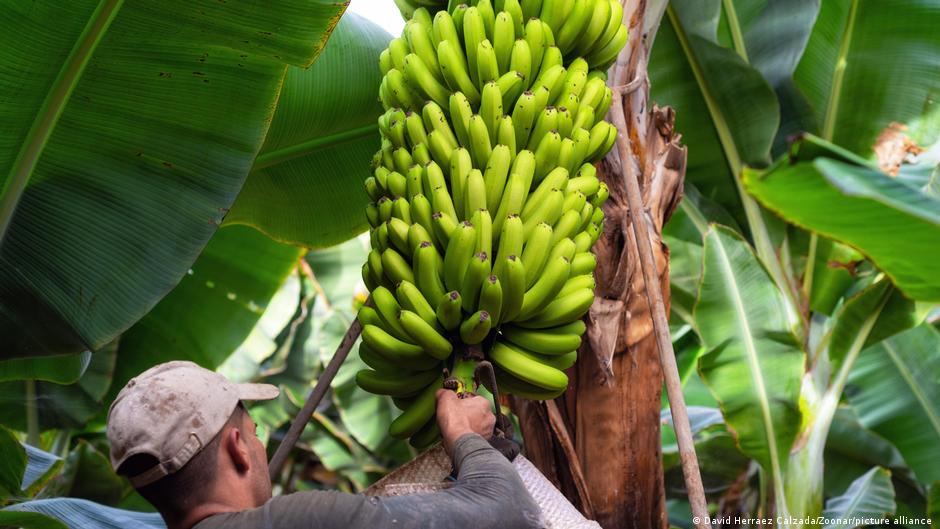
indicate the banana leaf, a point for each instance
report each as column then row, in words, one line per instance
column 895, row 388
column 129, row 128
column 754, row 363
column 12, row 464
column 897, row 226
column 853, row 78
column 212, row 311
column 869, row 496
column 73, row 513
column 306, row 186
column 725, row 109
column 60, row 405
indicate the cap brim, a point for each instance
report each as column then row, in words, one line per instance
column 257, row 391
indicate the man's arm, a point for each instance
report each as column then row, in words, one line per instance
column 488, row 493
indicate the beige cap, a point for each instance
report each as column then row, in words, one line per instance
column 171, row 411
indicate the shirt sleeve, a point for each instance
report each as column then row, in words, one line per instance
column 488, row 494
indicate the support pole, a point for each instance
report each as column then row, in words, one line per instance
column 319, row 390
column 667, row 356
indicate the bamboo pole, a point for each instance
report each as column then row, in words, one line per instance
column 667, row 356
column 319, row 390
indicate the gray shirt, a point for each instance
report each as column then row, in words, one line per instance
column 488, row 494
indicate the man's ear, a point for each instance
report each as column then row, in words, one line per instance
column 237, row 450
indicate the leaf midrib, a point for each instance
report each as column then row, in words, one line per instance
column 751, row 351
column 304, row 148
column 55, row 102
column 735, row 27
column 854, row 501
column 838, row 74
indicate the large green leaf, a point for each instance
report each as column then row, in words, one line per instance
column 29, row 520
column 41, row 466
column 59, row 513
column 211, row 312
column 869, row 64
column 306, row 185
column 12, row 464
column 869, row 496
column 61, row 369
column 933, row 502
column 895, row 388
column 754, row 364
column 852, row 449
column 895, row 225
column 872, row 315
column 129, row 128
column 57, row 405
column 725, row 109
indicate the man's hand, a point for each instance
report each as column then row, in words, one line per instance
column 457, row 417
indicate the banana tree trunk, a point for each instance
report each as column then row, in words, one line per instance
column 600, row 441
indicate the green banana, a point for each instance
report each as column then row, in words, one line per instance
column 475, row 328
column 421, row 212
column 562, row 248
column 495, row 175
column 504, row 35
column 583, row 263
column 511, row 385
column 430, row 433
column 487, row 67
column 410, row 298
column 527, row 368
column 477, row 270
column 459, row 251
column 545, row 342
column 418, row 75
column 511, row 274
column 444, row 226
column 460, row 166
column 491, row 107
column 491, row 297
column 511, row 203
column 455, row 72
column 577, row 283
column 420, row 43
column 535, row 254
column 460, row 113
column 546, row 154
column 484, row 227
column 424, row 335
column 436, row 120
column 418, row 413
column 480, row 145
column 427, row 273
column 545, row 288
column 395, row 384
column 506, row 134
column 520, row 59
column 523, row 117
column 511, row 239
column 448, row 310
column 474, row 193
column 562, row 310
column 398, row 235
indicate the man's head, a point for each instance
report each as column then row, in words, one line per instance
column 181, row 435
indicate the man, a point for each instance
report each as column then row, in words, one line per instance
column 181, row 435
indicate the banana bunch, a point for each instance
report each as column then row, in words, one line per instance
column 485, row 198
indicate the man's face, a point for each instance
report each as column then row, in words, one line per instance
column 260, row 483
